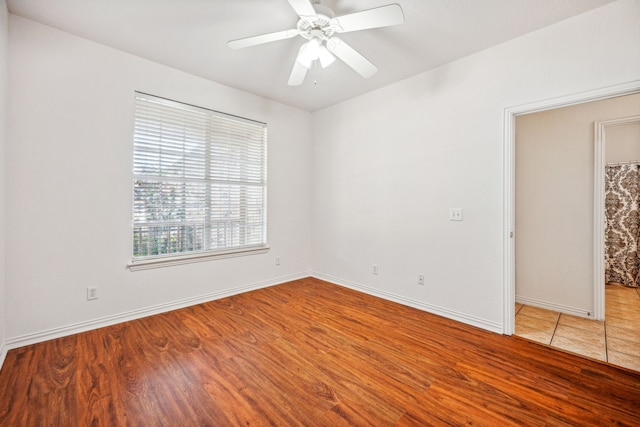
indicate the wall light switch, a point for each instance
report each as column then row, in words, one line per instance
column 455, row 214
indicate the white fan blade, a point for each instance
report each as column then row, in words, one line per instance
column 261, row 39
column 351, row 57
column 299, row 71
column 302, row 7
column 384, row 16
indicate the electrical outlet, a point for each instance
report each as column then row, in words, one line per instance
column 420, row 279
column 374, row 269
column 277, row 260
column 92, row 293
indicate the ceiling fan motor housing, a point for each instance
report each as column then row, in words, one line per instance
column 317, row 26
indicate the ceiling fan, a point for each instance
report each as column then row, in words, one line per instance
column 318, row 25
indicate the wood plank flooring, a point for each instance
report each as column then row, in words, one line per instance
column 307, row 353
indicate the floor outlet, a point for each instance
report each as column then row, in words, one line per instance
column 420, row 279
column 92, row 293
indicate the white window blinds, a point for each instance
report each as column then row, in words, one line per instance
column 199, row 180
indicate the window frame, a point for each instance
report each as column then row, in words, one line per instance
column 205, row 254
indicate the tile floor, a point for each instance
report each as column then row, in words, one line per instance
column 616, row 340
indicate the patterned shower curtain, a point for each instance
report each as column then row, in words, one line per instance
column 622, row 264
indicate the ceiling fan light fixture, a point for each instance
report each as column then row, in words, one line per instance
column 326, row 57
column 318, row 24
column 310, row 52
column 313, row 48
column 304, row 58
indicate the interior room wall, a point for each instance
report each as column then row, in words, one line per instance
column 382, row 173
column 554, row 203
column 4, row 40
column 622, row 143
column 388, row 165
column 69, row 162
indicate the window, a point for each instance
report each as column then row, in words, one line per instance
column 199, row 183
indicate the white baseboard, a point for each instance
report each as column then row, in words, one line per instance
column 88, row 325
column 45, row 335
column 555, row 307
column 440, row 311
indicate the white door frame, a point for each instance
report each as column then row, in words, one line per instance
column 509, row 141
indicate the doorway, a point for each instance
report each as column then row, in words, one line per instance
column 509, row 148
column 616, row 164
column 559, row 212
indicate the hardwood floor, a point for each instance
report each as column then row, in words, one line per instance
column 307, row 353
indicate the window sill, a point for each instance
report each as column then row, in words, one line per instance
column 168, row 261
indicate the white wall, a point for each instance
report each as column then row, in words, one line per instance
column 388, row 165
column 4, row 40
column 69, row 158
column 623, row 142
column 385, row 169
column 554, row 202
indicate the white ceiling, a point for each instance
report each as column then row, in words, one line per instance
column 191, row 35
